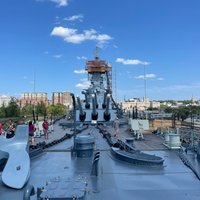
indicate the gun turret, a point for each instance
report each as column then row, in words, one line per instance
column 87, row 105
column 107, row 113
column 82, row 114
column 94, row 108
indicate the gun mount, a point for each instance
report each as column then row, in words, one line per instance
column 98, row 105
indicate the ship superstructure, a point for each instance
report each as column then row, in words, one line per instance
column 98, row 106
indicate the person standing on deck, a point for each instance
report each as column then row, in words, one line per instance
column 51, row 129
column 116, row 127
column 45, row 126
column 1, row 128
column 31, row 132
column 11, row 129
column 11, row 126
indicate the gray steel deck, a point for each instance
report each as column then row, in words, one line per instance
column 117, row 180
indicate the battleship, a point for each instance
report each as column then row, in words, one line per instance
column 95, row 156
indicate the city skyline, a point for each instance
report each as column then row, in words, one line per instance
column 45, row 44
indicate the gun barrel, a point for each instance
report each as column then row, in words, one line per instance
column 82, row 114
column 107, row 104
column 94, row 108
column 87, row 105
column 80, row 106
column 107, row 113
column 104, row 100
column 95, row 96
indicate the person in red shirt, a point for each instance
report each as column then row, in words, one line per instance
column 11, row 130
column 31, row 128
column 1, row 128
column 11, row 126
column 45, row 126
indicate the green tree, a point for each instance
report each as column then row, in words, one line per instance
column 50, row 109
column 27, row 110
column 3, row 111
column 152, row 109
column 12, row 110
column 56, row 110
column 168, row 110
column 183, row 113
column 60, row 109
column 40, row 108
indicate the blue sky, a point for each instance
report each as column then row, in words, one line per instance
column 54, row 38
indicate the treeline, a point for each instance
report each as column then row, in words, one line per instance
column 173, row 102
column 14, row 110
column 183, row 112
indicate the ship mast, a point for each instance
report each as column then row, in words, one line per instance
column 97, row 53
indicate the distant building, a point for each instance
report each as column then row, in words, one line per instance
column 56, row 98
column 193, row 100
column 63, row 98
column 141, row 104
column 29, row 98
column 167, row 104
column 4, row 100
column 67, row 99
column 155, row 104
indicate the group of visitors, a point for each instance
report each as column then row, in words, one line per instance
column 32, row 129
column 9, row 130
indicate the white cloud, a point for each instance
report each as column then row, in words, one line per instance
column 25, row 77
column 139, row 77
column 71, row 36
column 3, row 95
column 150, row 76
column 131, row 61
column 81, row 57
column 147, row 76
column 81, row 71
column 57, row 56
column 60, row 2
column 83, row 85
column 74, row 18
